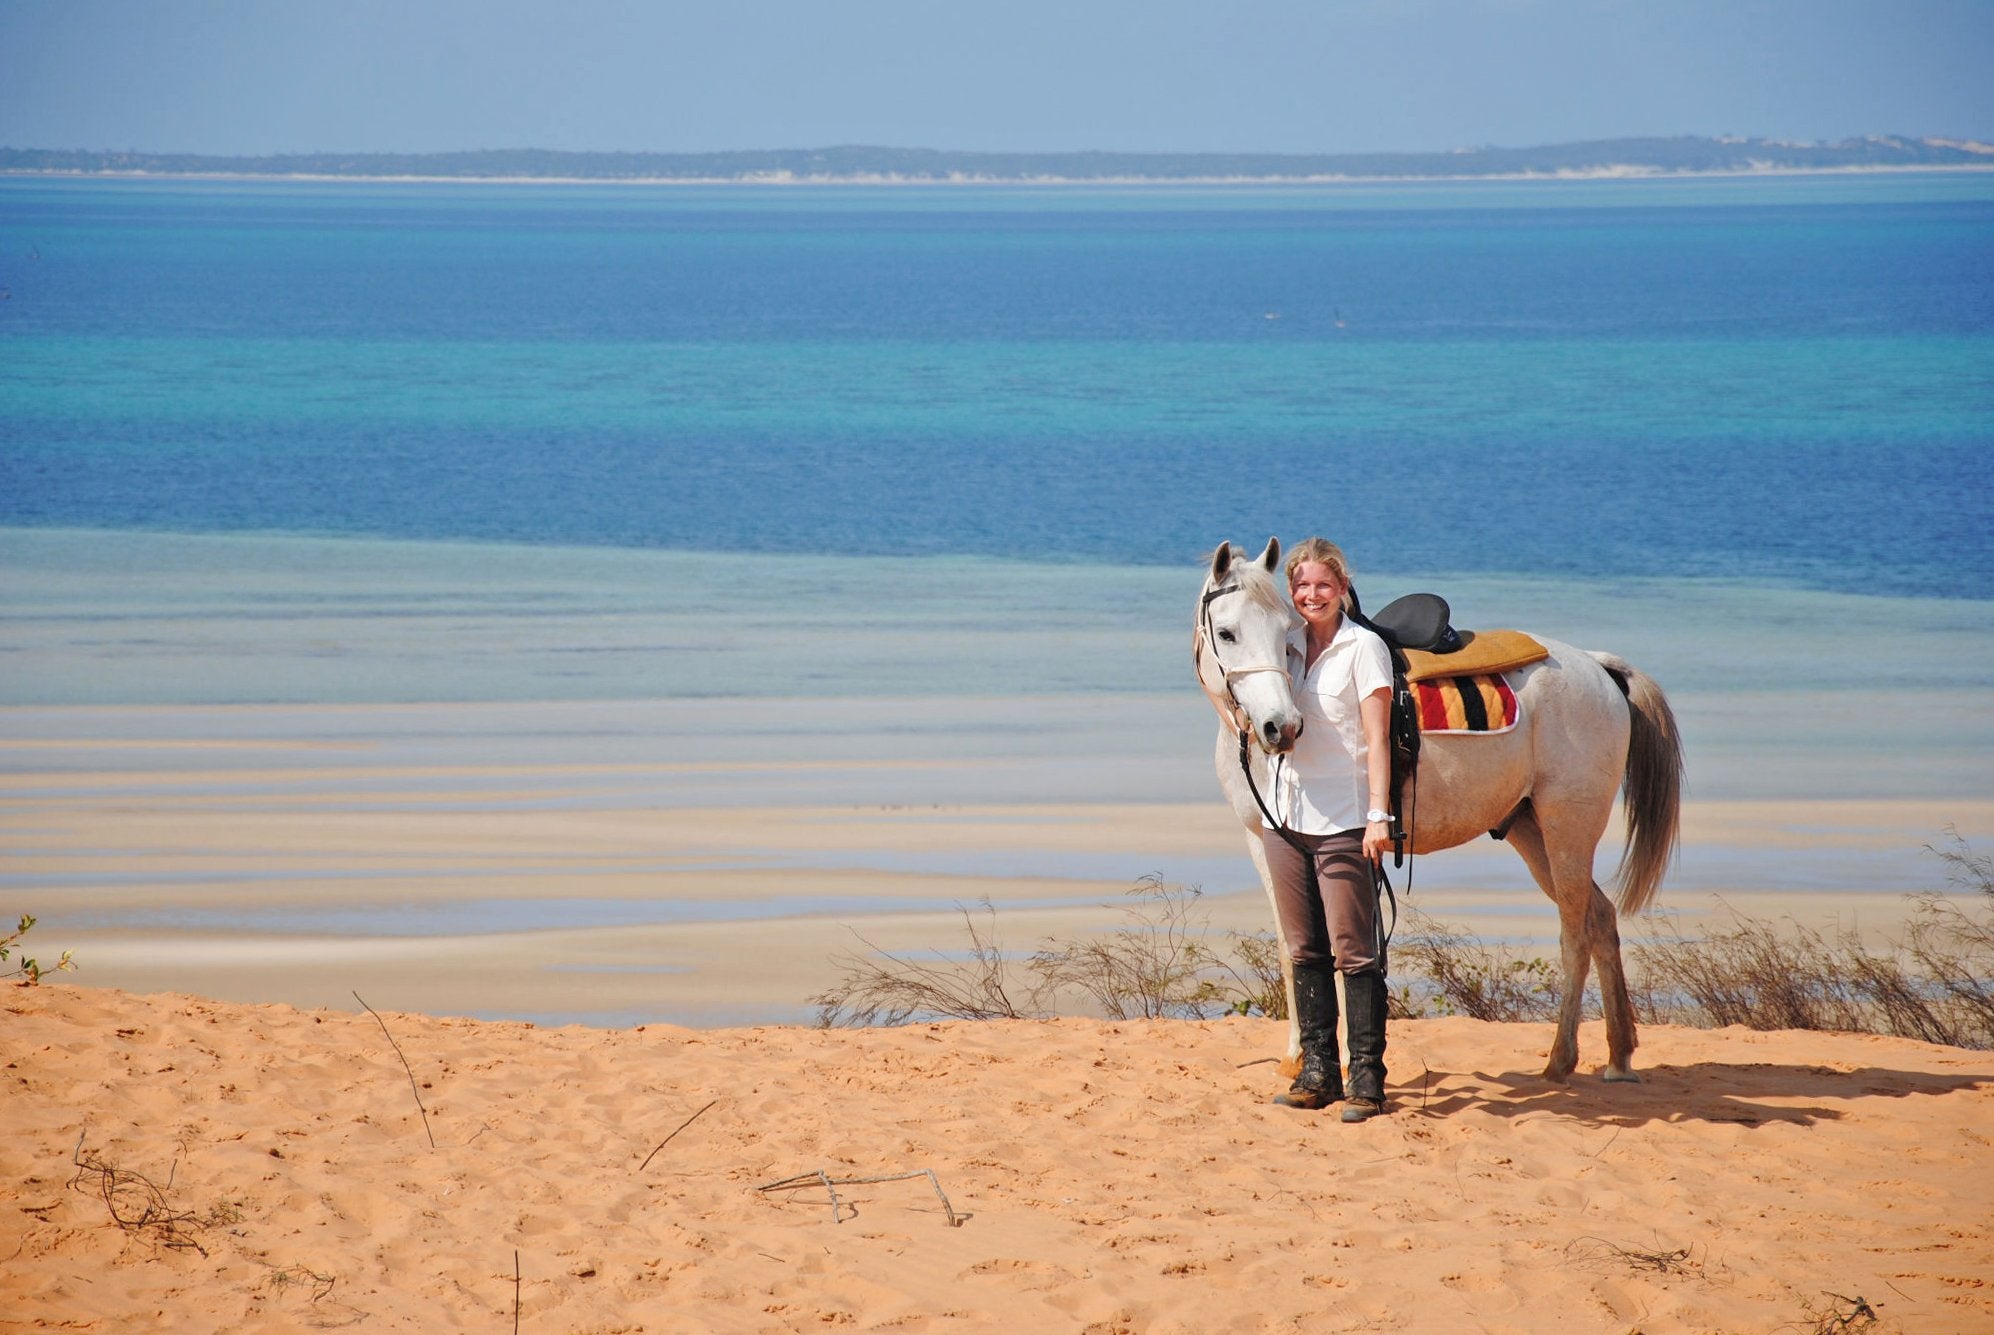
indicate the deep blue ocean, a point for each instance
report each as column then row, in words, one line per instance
column 1781, row 381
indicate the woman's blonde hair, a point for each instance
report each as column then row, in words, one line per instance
column 1320, row 551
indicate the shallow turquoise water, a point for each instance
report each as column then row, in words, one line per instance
column 1785, row 381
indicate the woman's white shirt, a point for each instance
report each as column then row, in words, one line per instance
column 1321, row 787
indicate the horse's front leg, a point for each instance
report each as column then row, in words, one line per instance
column 1235, row 784
column 1292, row 1062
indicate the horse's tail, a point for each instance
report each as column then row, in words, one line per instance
column 1652, row 787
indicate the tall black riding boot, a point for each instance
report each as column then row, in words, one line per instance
column 1364, row 994
column 1320, row 1081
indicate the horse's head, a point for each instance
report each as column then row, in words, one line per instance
column 1241, row 647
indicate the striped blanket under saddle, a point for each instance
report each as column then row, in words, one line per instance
column 1483, row 703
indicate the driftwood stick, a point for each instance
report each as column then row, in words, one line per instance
column 413, row 1088
column 948, row 1211
column 837, row 1206
column 805, row 1179
column 668, row 1139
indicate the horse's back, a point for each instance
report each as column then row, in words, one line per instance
column 1574, row 687
column 1569, row 744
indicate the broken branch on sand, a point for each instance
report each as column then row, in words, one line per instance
column 831, row 1185
column 1662, row 1261
column 413, row 1088
column 136, row 1202
column 668, row 1139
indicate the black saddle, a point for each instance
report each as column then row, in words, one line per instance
column 1416, row 621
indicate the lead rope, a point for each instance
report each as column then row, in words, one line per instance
column 1402, row 855
column 1386, row 896
column 1294, row 839
column 1403, row 720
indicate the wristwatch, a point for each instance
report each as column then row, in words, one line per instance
column 1375, row 814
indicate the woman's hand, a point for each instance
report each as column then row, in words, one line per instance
column 1377, row 840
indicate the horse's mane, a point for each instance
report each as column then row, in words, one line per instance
column 1256, row 583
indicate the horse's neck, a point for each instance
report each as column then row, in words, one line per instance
column 1237, row 782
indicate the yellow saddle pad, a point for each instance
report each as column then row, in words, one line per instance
column 1481, row 651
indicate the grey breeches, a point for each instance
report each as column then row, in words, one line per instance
column 1336, row 920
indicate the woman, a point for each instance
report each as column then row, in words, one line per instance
column 1332, row 797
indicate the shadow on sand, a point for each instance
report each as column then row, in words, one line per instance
column 1747, row 1093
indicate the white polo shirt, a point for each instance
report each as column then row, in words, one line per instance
column 1322, row 786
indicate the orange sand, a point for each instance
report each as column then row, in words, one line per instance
column 1114, row 1178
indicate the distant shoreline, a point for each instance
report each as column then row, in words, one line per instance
column 969, row 180
column 863, row 165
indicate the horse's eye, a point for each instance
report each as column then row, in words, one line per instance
column 1227, row 636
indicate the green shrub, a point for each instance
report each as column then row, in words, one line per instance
column 29, row 969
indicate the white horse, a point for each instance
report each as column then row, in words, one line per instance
column 1590, row 724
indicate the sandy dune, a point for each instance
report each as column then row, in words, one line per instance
column 1110, row 1177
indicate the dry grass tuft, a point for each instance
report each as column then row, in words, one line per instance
column 1598, row 1252
column 1156, row 966
column 1161, row 963
column 1841, row 1316
column 1936, row 985
column 1459, row 975
column 883, row 988
column 139, row 1206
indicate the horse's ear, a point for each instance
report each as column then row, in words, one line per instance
column 1271, row 558
column 1221, row 561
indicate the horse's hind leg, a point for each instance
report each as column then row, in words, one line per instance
column 1566, row 878
column 1613, row 998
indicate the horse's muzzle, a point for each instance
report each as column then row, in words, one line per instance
column 1277, row 736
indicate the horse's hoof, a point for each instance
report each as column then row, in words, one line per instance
column 1614, row 1075
column 1558, row 1075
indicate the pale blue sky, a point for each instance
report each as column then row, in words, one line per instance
column 261, row 76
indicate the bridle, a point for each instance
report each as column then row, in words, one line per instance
column 1231, row 712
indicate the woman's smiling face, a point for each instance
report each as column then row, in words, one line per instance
column 1317, row 593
